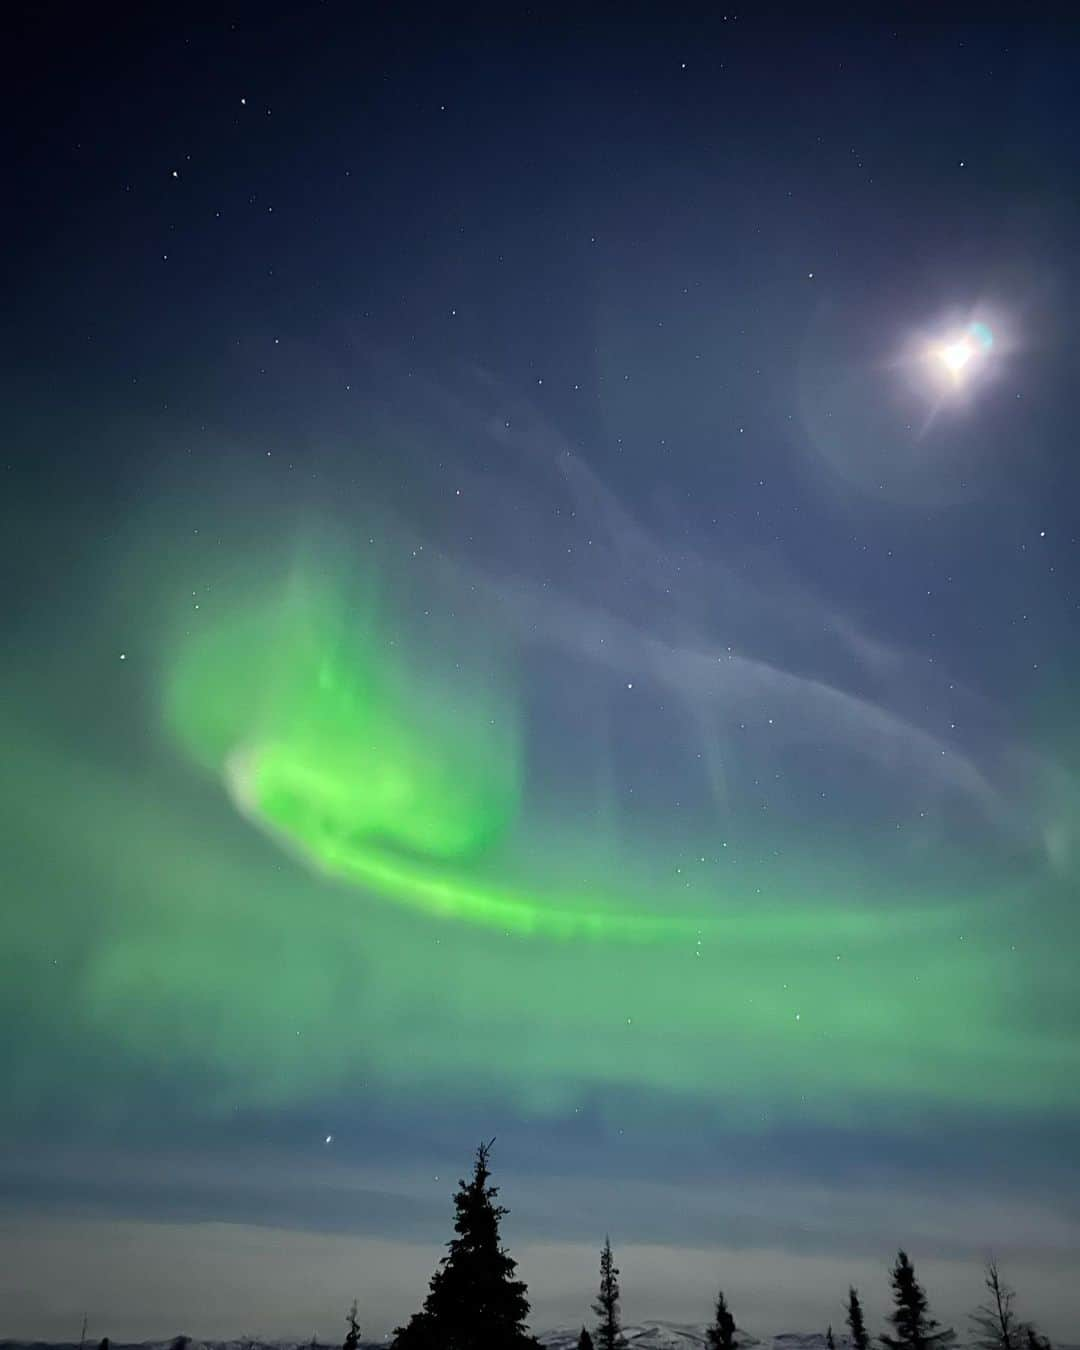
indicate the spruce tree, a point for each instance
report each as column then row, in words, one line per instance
column 584, row 1341
column 994, row 1323
column 1033, row 1340
column 829, row 1342
column 914, row 1328
column 860, row 1340
column 473, row 1301
column 352, row 1336
column 721, row 1334
column 608, row 1329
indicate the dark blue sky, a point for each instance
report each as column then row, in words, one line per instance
column 627, row 330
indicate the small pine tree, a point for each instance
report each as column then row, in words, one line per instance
column 1032, row 1339
column 914, row 1328
column 993, row 1323
column 829, row 1342
column 860, row 1340
column 609, row 1329
column 473, row 1301
column 352, row 1336
column 721, row 1334
column 584, row 1341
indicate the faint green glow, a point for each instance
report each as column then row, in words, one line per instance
column 424, row 950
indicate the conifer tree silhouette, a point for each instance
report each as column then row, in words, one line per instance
column 860, row 1339
column 829, row 1342
column 584, row 1341
column 1033, row 1339
column 994, row 1323
column 608, row 1329
column 473, row 1301
column 352, row 1336
column 720, row 1335
column 914, row 1328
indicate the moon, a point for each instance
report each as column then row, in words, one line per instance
column 956, row 355
column 961, row 353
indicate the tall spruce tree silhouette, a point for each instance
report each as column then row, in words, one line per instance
column 608, row 1329
column 473, row 1301
column 720, row 1335
column 914, row 1328
column 860, row 1339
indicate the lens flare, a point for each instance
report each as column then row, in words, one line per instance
column 962, row 353
column 956, row 355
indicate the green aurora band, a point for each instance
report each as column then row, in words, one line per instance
column 327, row 739
column 398, row 776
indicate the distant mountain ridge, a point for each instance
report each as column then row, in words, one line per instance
column 640, row 1336
column 643, row 1336
column 677, row 1336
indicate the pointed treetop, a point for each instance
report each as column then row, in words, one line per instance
column 606, row 1306
column 860, row 1338
column 473, row 1302
column 913, row 1327
column 721, row 1334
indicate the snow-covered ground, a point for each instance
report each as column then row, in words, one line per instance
column 643, row 1336
column 686, row 1336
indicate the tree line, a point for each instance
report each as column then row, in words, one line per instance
column 474, row 1301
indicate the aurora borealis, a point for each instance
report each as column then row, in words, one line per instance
column 346, row 748
column 510, row 641
column 393, row 813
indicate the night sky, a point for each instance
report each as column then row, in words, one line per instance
column 542, row 580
